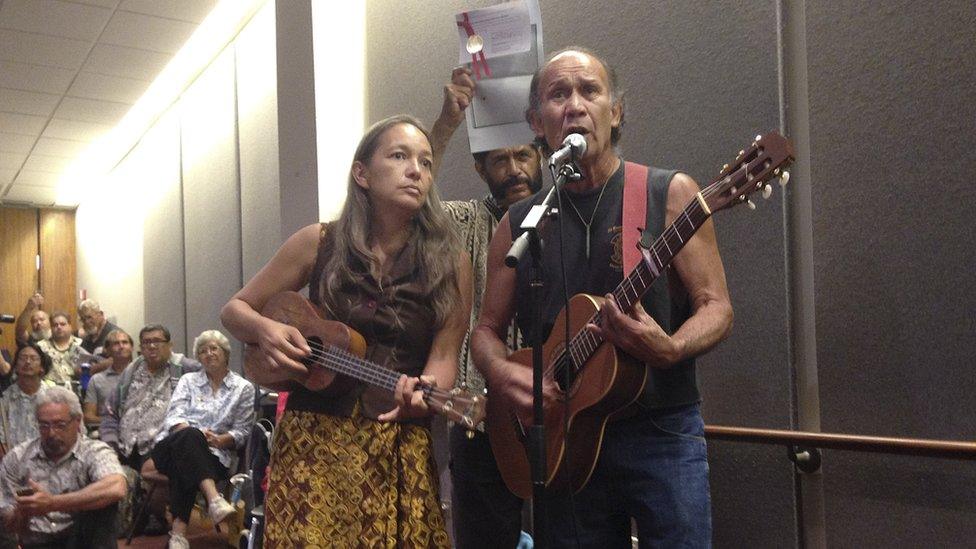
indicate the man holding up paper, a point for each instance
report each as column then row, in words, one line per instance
column 484, row 512
column 652, row 465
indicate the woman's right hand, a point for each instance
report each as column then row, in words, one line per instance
column 280, row 349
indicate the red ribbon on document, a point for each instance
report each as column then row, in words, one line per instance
column 466, row 23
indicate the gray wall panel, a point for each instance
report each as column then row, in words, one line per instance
column 257, row 108
column 892, row 110
column 211, row 195
column 164, row 276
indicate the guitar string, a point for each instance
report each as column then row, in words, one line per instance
column 355, row 366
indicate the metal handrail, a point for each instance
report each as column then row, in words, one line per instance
column 950, row 449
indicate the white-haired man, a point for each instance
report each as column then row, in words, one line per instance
column 95, row 328
column 61, row 488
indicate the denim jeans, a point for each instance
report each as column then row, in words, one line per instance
column 653, row 468
column 485, row 514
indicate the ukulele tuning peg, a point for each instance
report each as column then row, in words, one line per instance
column 724, row 167
column 784, row 178
column 742, row 152
column 767, row 191
column 751, row 204
column 758, row 138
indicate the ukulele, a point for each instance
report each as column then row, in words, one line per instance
column 602, row 381
column 337, row 353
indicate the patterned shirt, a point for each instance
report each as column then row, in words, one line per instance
column 100, row 387
column 144, row 408
column 62, row 362
column 87, row 462
column 18, row 422
column 476, row 220
column 229, row 410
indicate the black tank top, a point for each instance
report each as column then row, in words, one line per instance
column 666, row 301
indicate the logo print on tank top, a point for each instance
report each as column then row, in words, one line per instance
column 617, row 248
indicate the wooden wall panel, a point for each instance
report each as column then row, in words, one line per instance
column 59, row 262
column 18, row 275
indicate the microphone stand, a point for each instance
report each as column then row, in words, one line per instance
column 530, row 240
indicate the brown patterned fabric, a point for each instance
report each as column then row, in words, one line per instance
column 352, row 482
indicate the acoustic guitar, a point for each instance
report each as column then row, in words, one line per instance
column 597, row 380
column 337, row 354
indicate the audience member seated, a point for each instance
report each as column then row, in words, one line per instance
column 61, row 489
column 17, row 420
column 209, row 417
column 33, row 324
column 118, row 348
column 64, row 350
column 138, row 405
column 95, row 328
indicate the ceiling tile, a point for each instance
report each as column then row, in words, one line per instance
column 6, row 176
column 75, row 130
column 147, row 32
column 126, row 62
column 193, row 11
column 16, row 143
column 24, row 124
column 91, row 110
column 102, row 3
column 24, row 102
column 21, row 76
column 31, row 194
column 37, row 179
column 107, row 88
column 45, row 163
column 11, row 161
column 54, row 18
column 40, row 49
column 60, row 147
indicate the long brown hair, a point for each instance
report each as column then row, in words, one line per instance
column 436, row 245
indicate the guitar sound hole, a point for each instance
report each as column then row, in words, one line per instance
column 316, row 344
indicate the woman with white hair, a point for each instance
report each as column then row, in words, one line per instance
column 209, row 417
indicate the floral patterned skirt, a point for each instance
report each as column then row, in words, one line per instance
column 352, row 482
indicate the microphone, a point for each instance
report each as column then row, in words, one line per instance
column 8, row 319
column 573, row 147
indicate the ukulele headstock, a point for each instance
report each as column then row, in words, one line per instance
column 459, row 406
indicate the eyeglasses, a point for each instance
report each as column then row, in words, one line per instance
column 150, row 342
column 26, row 358
column 210, row 349
column 59, row 426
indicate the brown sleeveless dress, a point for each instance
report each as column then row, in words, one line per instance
column 339, row 478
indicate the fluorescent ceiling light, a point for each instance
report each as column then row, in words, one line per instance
column 219, row 28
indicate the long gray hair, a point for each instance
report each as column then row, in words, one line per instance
column 436, row 245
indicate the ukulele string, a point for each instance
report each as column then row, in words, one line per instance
column 331, row 355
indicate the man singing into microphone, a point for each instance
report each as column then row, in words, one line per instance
column 652, row 465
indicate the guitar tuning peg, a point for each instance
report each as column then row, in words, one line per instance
column 767, row 191
column 751, row 204
column 758, row 137
column 742, row 152
column 784, row 178
column 724, row 167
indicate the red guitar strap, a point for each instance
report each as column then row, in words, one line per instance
column 634, row 212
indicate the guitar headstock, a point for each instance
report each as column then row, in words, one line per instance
column 765, row 159
column 459, row 406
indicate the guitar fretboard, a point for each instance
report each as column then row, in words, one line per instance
column 629, row 292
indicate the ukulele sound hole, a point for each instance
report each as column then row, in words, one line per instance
column 317, row 346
